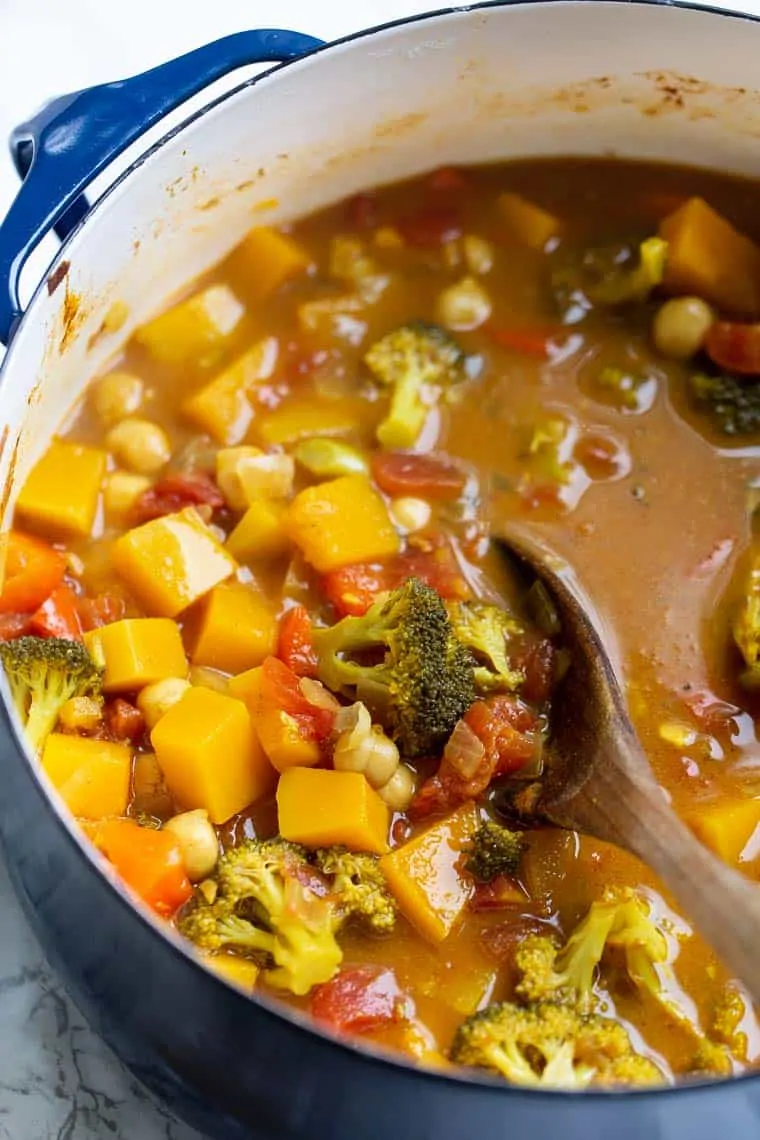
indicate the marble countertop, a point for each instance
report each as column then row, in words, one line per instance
column 57, row 1080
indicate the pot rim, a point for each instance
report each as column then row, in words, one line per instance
column 364, row 1051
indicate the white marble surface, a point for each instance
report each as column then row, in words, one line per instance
column 57, row 1080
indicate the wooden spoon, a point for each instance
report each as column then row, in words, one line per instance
column 598, row 780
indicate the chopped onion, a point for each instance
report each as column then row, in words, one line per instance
column 353, row 722
column 464, row 751
column 316, row 694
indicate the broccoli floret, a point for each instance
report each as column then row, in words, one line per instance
column 43, row 674
column 551, row 1045
column 608, row 276
column 413, row 361
column 725, row 1023
column 262, row 909
column 566, row 974
column 724, row 1039
column 493, row 850
column 733, row 406
column 746, row 624
column 424, row 682
column 485, row 630
column 358, row 889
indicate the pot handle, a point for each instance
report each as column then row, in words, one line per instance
column 71, row 140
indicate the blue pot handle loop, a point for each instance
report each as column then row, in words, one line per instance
column 73, row 139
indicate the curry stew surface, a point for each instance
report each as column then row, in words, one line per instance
column 561, row 410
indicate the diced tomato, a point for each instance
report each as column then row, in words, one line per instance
column 529, row 342
column 353, row 589
column 281, row 689
column 14, row 625
column 437, row 568
column 428, row 476
column 124, row 720
column 58, row 616
column 537, row 660
column 502, row 892
column 150, row 862
column 447, row 178
column 32, row 571
column 735, row 347
column 174, row 492
column 100, row 610
column 431, row 226
column 507, row 729
column 295, row 645
column 358, row 999
column 361, row 211
column 502, row 941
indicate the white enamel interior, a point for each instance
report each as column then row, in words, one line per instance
column 470, row 86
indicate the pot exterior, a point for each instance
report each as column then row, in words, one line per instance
column 470, row 85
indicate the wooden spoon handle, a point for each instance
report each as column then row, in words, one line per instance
column 626, row 807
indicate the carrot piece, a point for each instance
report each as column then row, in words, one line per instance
column 528, row 342
column 735, row 347
column 58, row 616
column 32, row 571
column 407, row 473
column 150, row 862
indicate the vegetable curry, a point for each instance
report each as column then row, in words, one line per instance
column 265, row 653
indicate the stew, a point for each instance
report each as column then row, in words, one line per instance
column 266, row 654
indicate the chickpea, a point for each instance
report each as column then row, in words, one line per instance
column 680, row 327
column 197, row 841
column 397, row 793
column 478, row 253
column 410, row 514
column 156, row 699
column 116, row 396
column 463, row 306
column 140, row 445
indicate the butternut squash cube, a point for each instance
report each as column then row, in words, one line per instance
column 529, row 223
column 210, row 755
column 710, row 258
column 62, row 492
column 264, row 260
column 424, row 878
column 246, row 687
column 136, row 652
column 260, row 533
column 91, row 776
column 246, row 474
column 194, row 328
column 171, row 562
column 301, row 419
column 283, row 742
column 223, row 407
column 727, row 827
column 278, row 732
column 340, row 522
column 319, row 807
column 233, row 628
